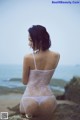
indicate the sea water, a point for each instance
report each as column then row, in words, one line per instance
column 7, row 72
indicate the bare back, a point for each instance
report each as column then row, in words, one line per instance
column 45, row 60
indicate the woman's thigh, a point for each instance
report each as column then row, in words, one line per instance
column 39, row 109
column 48, row 106
column 29, row 106
column 46, row 109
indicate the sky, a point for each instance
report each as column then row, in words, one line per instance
column 62, row 22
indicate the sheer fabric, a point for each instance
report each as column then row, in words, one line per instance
column 38, row 91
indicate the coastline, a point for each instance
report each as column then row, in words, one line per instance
column 56, row 85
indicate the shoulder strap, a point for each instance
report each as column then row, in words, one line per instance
column 34, row 61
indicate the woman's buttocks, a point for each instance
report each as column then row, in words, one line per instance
column 39, row 91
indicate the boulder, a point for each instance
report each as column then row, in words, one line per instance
column 72, row 90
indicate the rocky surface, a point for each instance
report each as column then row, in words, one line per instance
column 67, row 112
column 72, row 91
column 62, row 112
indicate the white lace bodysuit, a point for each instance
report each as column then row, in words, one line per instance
column 38, row 87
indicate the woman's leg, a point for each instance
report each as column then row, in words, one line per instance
column 48, row 105
column 29, row 106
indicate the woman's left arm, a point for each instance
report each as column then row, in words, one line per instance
column 26, row 70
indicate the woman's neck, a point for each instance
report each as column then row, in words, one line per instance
column 39, row 51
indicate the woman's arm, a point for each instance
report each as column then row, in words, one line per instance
column 26, row 70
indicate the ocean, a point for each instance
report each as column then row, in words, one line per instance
column 8, row 72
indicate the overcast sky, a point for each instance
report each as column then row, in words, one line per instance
column 61, row 20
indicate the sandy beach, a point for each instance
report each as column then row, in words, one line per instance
column 9, row 100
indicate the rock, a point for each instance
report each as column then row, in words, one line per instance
column 15, row 109
column 72, row 90
column 15, row 117
column 60, row 97
column 67, row 112
column 62, row 112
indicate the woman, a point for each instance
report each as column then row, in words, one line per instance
column 38, row 101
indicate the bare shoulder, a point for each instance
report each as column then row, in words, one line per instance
column 56, row 57
column 55, row 54
column 27, row 58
